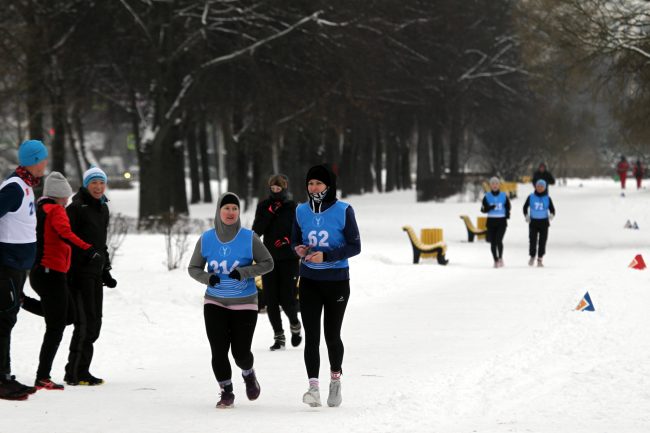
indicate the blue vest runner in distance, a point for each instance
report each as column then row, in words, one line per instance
column 539, row 206
column 323, row 232
column 222, row 258
column 500, row 202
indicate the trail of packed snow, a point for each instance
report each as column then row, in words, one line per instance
column 429, row 348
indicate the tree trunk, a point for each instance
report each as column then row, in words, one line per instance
column 76, row 139
column 437, row 148
column 455, row 138
column 57, row 104
column 190, row 140
column 367, row 157
column 205, row 161
column 34, row 76
column 423, row 172
column 219, row 140
column 391, row 146
column 235, row 167
column 405, row 145
column 379, row 144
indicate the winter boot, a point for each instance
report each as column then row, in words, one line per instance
column 280, row 342
column 296, row 338
column 11, row 389
column 227, row 398
column 531, row 262
column 312, row 396
column 501, row 263
column 7, row 393
column 252, row 385
column 540, row 263
column 47, row 384
column 89, row 380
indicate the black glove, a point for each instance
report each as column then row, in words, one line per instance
column 92, row 255
column 235, row 275
column 273, row 207
column 492, row 207
column 108, row 280
column 214, row 280
column 279, row 243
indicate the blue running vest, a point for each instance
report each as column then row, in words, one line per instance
column 323, row 232
column 538, row 206
column 500, row 202
column 223, row 257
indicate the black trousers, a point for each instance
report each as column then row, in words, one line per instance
column 52, row 287
column 537, row 235
column 228, row 329
column 12, row 282
column 496, row 230
column 88, row 297
column 279, row 289
column 327, row 298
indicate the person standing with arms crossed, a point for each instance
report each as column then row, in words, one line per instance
column 17, row 252
column 325, row 236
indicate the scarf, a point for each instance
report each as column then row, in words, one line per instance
column 27, row 177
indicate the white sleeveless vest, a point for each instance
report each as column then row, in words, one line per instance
column 19, row 227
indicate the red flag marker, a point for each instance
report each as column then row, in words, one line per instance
column 638, row 263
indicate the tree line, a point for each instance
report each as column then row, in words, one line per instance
column 380, row 89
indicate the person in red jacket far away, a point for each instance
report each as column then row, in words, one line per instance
column 54, row 243
column 621, row 168
column 638, row 172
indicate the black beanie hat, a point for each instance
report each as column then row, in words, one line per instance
column 229, row 199
column 319, row 172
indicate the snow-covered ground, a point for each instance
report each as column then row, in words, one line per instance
column 461, row 348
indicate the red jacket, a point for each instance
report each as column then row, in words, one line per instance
column 54, row 236
column 622, row 167
column 638, row 170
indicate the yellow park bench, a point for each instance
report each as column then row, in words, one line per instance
column 480, row 230
column 423, row 249
column 509, row 188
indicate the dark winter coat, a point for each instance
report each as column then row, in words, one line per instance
column 545, row 176
column 89, row 220
column 273, row 222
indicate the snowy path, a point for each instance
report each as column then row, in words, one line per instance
column 462, row 348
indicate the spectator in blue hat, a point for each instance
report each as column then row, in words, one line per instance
column 17, row 252
column 89, row 217
column 539, row 211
